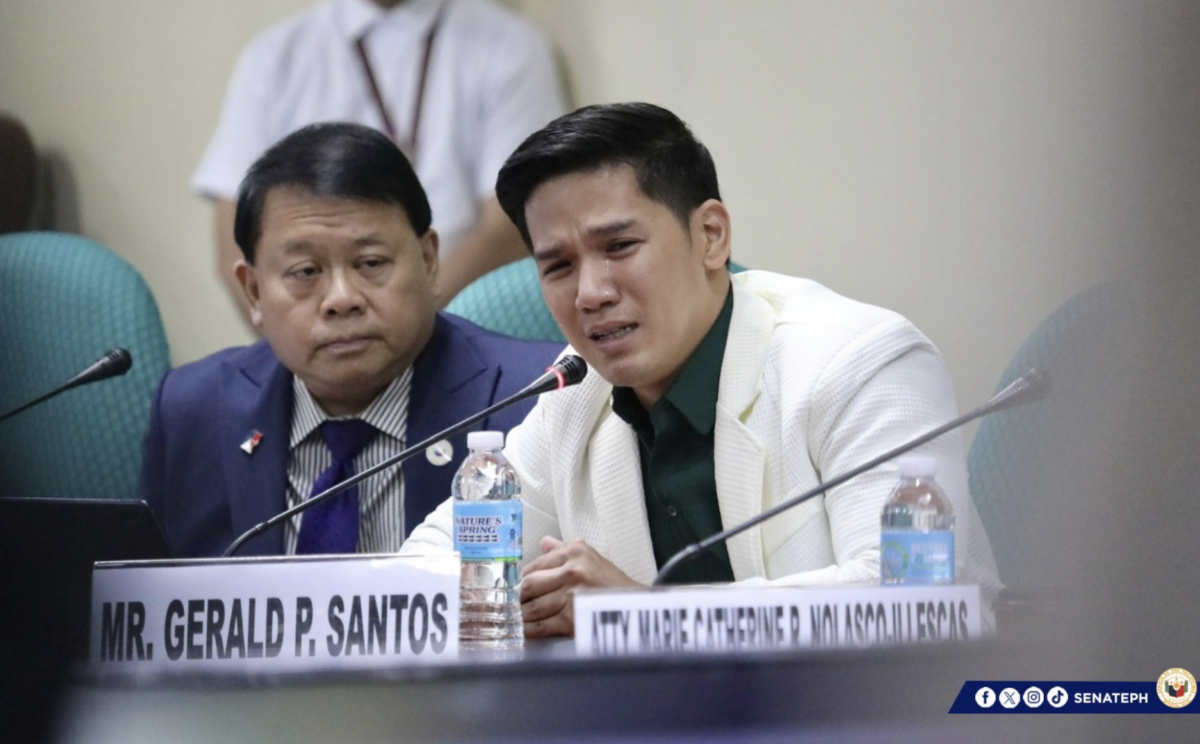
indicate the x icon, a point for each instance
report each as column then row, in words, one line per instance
column 1010, row 697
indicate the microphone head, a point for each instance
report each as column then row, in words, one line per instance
column 573, row 369
column 569, row 370
column 120, row 360
column 1033, row 385
column 1037, row 384
column 114, row 363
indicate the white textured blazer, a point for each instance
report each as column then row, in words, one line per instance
column 812, row 385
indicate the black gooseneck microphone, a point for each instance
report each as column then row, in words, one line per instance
column 114, row 363
column 1032, row 385
column 569, row 370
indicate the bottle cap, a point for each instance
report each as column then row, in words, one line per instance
column 918, row 466
column 485, row 440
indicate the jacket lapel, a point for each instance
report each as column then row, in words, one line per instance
column 450, row 382
column 256, row 396
column 616, row 481
column 739, row 458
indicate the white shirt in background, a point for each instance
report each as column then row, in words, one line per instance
column 491, row 82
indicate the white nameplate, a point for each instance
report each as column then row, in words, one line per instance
column 736, row 618
column 274, row 614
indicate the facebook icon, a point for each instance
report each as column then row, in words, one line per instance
column 985, row 697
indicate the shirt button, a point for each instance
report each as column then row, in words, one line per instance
column 672, row 511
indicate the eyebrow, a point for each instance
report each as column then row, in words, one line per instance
column 608, row 228
column 303, row 247
column 369, row 241
column 296, row 247
column 611, row 227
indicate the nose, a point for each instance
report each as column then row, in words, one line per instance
column 596, row 287
column 342, row 295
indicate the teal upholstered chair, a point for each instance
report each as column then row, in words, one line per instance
column 509, row 301
column 65, row 301
column 1028, row 465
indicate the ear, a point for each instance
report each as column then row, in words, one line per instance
column 249, row 281
column 429, row 254
column 711, row 227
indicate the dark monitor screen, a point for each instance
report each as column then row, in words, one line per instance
column 52, row 544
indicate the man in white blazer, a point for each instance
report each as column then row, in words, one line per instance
column 712, row 397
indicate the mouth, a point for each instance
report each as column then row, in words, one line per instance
column 344, row 344
column 612, row 334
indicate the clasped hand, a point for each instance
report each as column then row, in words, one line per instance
column 549, row 583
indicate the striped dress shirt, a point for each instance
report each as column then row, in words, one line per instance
column 380, row 497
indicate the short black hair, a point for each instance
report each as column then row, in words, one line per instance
column 672, row 166
column 333, row 159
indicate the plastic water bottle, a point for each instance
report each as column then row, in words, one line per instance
column 917, row 543
column 487, row 534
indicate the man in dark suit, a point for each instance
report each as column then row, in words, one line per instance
column 339, row 269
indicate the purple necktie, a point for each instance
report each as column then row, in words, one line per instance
column 332, row 526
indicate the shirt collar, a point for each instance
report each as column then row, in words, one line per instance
column 307, row 415
column 693, row 392
column 357, row 17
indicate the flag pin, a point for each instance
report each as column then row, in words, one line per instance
column 251, row 442
column 440, row 453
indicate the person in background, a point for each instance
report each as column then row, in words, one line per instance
column 457, row 84
column 339, row 267
column 712, row 397
column 18, row 177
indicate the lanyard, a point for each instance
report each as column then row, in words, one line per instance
column 409, row 147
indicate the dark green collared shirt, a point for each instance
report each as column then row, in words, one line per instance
column 675, row 444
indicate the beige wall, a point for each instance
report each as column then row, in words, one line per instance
column 970, row 164
column 120, row 96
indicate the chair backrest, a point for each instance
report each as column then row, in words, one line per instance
column 1020, row 460
column 66, row 300
column 509, row 300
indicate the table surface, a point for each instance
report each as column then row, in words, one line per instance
column 544, row 693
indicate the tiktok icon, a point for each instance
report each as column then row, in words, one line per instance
column 1057, row 697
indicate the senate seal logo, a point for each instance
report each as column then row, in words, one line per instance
column 1176, row 687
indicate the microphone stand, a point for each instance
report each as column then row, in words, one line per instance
column 113, row 364
column 556, row 382
column 1028, row 386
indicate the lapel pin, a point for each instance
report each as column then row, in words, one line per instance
column 441, row 453
column 251, row 442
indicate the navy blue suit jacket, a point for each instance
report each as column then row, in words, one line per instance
column 206, row 491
